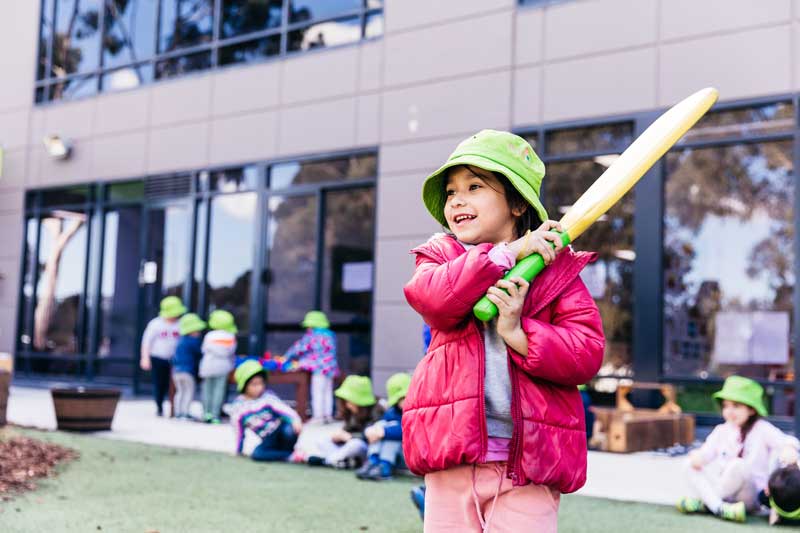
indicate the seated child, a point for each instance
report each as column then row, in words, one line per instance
column 782, row 495
column 347, row 447
column 266, row 415
column 732, row 466
column 385, row 437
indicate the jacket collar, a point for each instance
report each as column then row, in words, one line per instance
column 442, row 247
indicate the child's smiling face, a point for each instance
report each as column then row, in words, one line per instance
column 476, row 208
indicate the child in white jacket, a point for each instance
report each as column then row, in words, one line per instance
column 732, row 466
column 219, row 351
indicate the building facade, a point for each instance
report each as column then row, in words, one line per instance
column 267, row 157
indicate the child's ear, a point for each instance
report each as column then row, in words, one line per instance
column 519, row 210
column 773, row 517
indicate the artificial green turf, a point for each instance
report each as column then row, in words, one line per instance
column 125, row 487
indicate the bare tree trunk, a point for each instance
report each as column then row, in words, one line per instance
column 45, row 305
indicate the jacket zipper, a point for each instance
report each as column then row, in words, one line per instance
column 516, row 421
column 481, row 393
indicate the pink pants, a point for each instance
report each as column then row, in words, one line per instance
column 481, row 498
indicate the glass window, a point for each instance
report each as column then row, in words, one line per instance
column 65, row 196
column 76, row 47
column 177, row 66
column 533, row 139
column 348, row 256
column 230, row 259
column 355, row 167
column 306, row 10
column 610, row 278
column 74, row 88
column 119, row 290
column 125, row 191
column 240, row 17
column 291, row 238
column 129, row 35
column 374, row 25
column 323, row 34
column 127, row 77
column 185, row 23
column 729, row 261
column 45, row 36
column 606, row 138
column 764, row 119
column 59, row 293
column 235, row 179
column 250, row 50
column 199, row 252
column 31, row 265
column 167, row 247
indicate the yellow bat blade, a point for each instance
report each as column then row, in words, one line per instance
column 636, row 160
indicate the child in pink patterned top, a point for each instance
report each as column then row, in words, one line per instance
column 316, row 353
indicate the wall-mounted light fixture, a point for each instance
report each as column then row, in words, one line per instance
column 57, row 147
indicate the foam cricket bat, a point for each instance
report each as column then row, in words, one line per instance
column 618, row 179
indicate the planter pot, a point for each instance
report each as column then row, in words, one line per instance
column 80, row 409
column 5, row 383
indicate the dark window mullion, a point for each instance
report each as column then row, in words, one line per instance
column 320, row 248
column 216, row 31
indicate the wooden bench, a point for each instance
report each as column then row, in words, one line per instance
column 625, row 428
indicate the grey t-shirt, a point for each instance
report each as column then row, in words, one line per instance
column 496, row 383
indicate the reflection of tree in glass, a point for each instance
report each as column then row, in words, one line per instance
column 611, row 238
column 292, row 259
column 240, row 17
column 68, row 55
column 745, row 183
column 118, row 35
column 45, row 337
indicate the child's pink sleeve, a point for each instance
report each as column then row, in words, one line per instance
column 502, row 256
column 569, row 349
column 444, row 293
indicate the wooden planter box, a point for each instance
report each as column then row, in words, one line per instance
column 5, row 383
column 79, row 409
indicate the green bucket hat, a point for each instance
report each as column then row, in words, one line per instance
column 357, row 390
column 743, row 390
column 495, row 151
column 247, row 370
column 397, row 387
column 171, row 307
column 790, row 515
column 221, row 319
column 190, row 323
column 316, row 319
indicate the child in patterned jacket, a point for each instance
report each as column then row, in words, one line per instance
column 263, row 413
column 315, row 352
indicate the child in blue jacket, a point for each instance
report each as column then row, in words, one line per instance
column 184, row 363
column 386, row 436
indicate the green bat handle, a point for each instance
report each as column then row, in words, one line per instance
column 526, row 269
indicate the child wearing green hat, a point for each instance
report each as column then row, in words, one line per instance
column 159, row 340
column 385, row 437
column 493, row 418
column 184, row 364
column 347, row 447
column 219, row 352
column 315, row 352
column 733, row 464
column 782, row 495
column 262, row 412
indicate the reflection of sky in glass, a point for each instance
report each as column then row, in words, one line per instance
column 232, row 218
column 282, row 175
column 317, row 9
column 175, row 245
column 332, row 33
column 134, row 28
column 71, row 265
column 83, row 39
column 722, row 245
column 110, row 254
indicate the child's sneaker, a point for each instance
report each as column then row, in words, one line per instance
column 315, row 460
column 216, row 420
column 735, row 512
column 418, row 499
column 207, row 418
column 380, row 472
column 363, row 472
column 691, row 505
column 297, row 457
